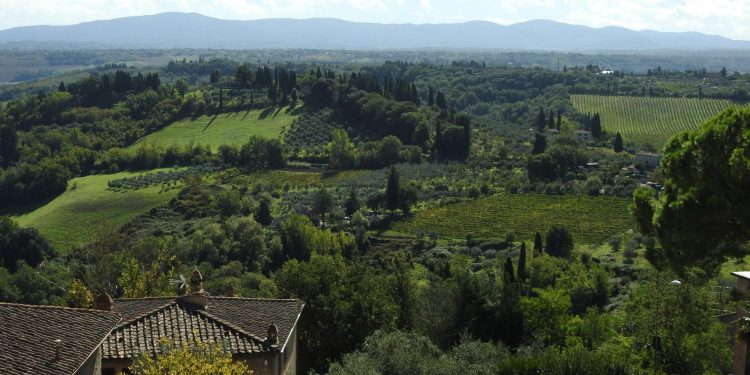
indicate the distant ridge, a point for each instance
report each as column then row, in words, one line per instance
column 192, row 30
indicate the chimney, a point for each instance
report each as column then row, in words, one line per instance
column 57, row 350
column 197, row 297
column 103, row 302
column 230, row 291
column 196, row 282
column 272, row 337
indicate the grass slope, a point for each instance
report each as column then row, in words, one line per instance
column 589, row 219
column 75, row 216
column 646, row 119
column 233, row 128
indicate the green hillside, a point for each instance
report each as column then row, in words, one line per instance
column 75, row 216
column 232, row 128
column 589, row 219
column 649, row 119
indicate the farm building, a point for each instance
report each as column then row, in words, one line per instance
column 260, row 332
column 647, row 160
column 583, row 135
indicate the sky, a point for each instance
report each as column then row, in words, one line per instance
column 730, row 18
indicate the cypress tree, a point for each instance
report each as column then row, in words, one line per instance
column 551, row 123
column 538, row 245
column 559, row 120
column 273, row 94
column 540, row 143
column 508, row 276
column 393, row 190
column 352, row 203
column 215, row 76
column 431, row 97
column 263, row 216
column 440, row 101
column 596, row 126
column 618, row 147
column 522, row 262
column 540, row 121
column 438, row 144
column 61, row 88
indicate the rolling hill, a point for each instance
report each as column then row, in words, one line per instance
column 233, row 128
column 192, row 30
column 648, row 119
column 75, row 217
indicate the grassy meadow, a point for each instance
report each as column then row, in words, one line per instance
column 589, row 219
column 75, row 216
column 647, row 119
column 232, row 128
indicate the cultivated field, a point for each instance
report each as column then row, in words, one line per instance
column 87, row 206
column 589, row 219
column 233, row 128
column 647, row 119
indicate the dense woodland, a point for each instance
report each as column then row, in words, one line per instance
column 391, row 140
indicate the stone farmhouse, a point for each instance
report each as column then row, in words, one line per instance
column 260, row 332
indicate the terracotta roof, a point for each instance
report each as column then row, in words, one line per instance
column 238, row 324
column 28, row 334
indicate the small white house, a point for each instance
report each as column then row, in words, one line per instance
column 583, row 135
column 647, row 160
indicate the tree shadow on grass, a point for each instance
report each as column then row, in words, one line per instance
column 210, row 122
column 265, row 113
column 18, row 210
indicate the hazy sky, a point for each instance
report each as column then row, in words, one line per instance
column 729, row 18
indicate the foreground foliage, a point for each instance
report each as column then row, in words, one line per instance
column 700, row 222
column 197, row 358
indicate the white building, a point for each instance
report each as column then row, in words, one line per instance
column 583, row 135
column 647, row 160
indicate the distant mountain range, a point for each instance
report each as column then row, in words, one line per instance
column 191, row 30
